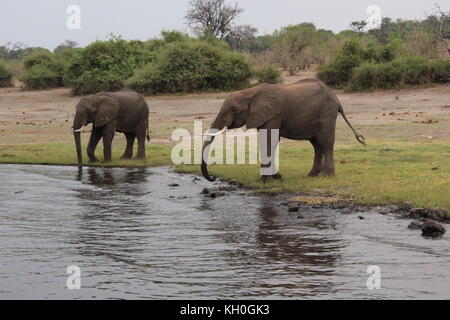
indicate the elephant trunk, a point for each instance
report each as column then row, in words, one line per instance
column 77, row 136
column 204, row 166
column 216, row 126
column 78, row 122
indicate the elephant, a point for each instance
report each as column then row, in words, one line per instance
column 123, row 111
column 304, row 110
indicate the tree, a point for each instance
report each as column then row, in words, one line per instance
column 358, row 26
column 68, row 44
column 442, row 18
column 13, row 50
column 241, row 37
column 211, row 17
column 290, row 46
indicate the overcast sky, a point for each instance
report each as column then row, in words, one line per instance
column 43, row 23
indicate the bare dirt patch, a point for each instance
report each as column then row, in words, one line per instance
column 46, row 116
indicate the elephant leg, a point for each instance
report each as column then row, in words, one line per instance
column 325, row 141
column 108, row 136
column 328, row 168
column 318, row 159
column 140, row 134
column 128, row 154
column 268, row 142
column 96, row 135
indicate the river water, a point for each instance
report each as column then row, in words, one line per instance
column 135, row 237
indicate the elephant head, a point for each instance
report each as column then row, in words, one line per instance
column 97, row 109
column 252, row 107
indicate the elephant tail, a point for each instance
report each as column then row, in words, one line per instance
column 148, row 133
column 358, row 136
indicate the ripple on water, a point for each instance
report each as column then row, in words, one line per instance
column 133, row 236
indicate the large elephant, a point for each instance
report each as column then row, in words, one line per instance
column 304, row 110
column 123, row 111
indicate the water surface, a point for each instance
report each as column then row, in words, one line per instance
column 135, row 237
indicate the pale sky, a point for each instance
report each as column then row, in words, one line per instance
column 43, row 23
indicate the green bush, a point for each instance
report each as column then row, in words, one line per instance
column 353, row 53
column 44, row 59
column 440, row 70
column 365, row 77
column 41, row 77
column 399, row 73
column 5, row 77
column 191, row 66
column 105, row 65
column 414, row 70
column 43, row 71
column 268, row 74
column 339, row 70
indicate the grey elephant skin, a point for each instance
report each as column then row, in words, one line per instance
column 110, row 112
column 304, row 110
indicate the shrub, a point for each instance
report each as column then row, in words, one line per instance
column 414, row 70
column 398, row 73
column 44, row 59
column 43, row 71
column 339, row 70
column 105, row 65
column 191, row 66
column 5, row 77
column 353, row 53
column 440, row 70
column 268, row 74
column 41, row 77
column 365, row 77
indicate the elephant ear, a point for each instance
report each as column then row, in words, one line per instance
column 265, row 106
column 107, row 110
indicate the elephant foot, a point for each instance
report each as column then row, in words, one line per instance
column 276, row 176
column 139, row 157
column 93, row 160
column 328, row 173
column 314, row 174
column 126, row 157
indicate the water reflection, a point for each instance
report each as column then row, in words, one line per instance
column 136, row 235
column 109, row 222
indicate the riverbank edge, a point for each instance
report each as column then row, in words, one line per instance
column 405, row 210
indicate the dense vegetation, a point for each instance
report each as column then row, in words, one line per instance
column 43, row 70
column 105, row 65
column 358, row 67
column 190, row 66
column 399, row 53
column 5, row 77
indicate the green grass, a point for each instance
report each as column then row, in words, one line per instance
column 65, row 154
column 367, row 175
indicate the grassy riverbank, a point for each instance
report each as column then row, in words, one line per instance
column 381, row 173
column 385, row 172
column 49, row 153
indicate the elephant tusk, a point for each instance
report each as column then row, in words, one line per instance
column 78, row 130
column 210, row 134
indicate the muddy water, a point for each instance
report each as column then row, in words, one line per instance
column 134, row 236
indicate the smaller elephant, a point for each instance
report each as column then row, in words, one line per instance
column 123, row 111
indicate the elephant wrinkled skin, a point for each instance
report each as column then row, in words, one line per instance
column 304, row 110
column 109, row 112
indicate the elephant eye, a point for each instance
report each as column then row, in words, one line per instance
column 234, row 109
